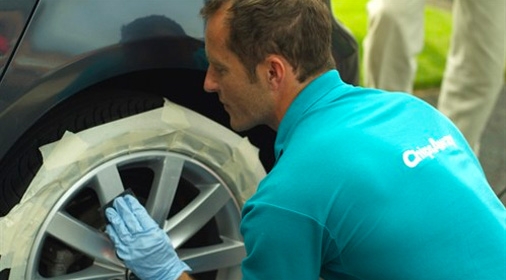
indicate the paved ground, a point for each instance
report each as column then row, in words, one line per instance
column 493, row 143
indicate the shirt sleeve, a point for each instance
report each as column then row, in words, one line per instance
column 280, row 244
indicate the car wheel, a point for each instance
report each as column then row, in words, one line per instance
column 192, row 175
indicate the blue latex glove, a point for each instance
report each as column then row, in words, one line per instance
column 143, row 246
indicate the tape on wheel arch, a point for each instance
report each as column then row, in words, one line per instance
column 171, row 128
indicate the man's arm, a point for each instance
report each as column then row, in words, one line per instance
column 185, row 276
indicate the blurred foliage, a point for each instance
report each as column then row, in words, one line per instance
column 431, row 61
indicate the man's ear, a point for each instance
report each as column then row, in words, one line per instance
column 276, row 70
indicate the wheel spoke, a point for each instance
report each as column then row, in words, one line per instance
column 226, row 254
column 195, row 215
column 94, row 272
column 167, row 176
column 83, row 238
column 108, row 184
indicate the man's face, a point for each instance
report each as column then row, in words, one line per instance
column 248, row 104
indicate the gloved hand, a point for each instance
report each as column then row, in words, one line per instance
column 143, row 246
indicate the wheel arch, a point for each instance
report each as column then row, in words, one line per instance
column 52, row 92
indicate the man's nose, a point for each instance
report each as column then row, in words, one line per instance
column 210, row 85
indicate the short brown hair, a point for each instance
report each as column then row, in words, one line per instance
column 299, row 30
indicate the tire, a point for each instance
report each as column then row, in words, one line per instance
column 88, row 109
column 192, row 174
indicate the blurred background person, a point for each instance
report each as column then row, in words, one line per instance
column 344, row 50
column 474, row 73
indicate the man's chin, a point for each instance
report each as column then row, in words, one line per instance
column 240, row 127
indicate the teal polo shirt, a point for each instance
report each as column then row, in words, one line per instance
column 370, row 184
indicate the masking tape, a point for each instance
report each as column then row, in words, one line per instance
column 171, row 127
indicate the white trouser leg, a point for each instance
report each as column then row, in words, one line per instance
column 474, row 74
column 394, row 37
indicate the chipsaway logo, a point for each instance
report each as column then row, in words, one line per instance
column 413, row 157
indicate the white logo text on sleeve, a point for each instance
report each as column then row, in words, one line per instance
column 413, row 157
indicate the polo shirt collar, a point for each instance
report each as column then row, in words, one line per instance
column 311, row 94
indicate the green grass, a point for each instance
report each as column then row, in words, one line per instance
column 431, row 61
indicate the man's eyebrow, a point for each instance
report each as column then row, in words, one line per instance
column 216, row 63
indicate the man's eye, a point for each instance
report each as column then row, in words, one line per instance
column 220, row 70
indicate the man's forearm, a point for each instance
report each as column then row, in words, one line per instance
column 185, row 276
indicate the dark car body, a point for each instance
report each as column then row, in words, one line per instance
column 70, row 65
column 58, row 48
